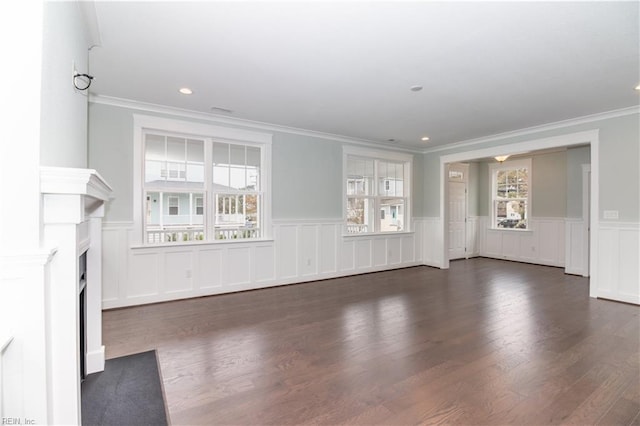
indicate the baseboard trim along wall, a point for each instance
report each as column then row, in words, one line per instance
column 301, row 251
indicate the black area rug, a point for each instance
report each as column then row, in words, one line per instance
column 127, row 392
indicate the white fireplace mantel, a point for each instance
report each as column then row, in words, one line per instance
column 63, row 180
column 72, row 209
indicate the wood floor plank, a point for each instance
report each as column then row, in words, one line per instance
column 485, row 342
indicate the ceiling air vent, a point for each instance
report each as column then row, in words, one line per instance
column 220, row 109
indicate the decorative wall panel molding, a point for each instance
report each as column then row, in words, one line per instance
column 618, row 266
column 302, row 250
column 543, row 243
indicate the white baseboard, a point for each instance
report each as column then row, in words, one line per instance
column 95, row 361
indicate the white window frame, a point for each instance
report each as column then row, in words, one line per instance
column 494, row 168
column 378, row 155
column 195, row 205
column 177, row 206
column 209, row 133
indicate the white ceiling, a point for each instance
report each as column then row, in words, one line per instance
column 346, row 67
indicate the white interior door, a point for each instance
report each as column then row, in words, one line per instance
column 457, row 210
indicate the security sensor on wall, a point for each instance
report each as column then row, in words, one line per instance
column 79, row 80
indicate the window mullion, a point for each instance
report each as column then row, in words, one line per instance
column 209, row 197
column 377, row 214
column 376, row 200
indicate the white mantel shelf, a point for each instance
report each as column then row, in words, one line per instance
column 64, row 180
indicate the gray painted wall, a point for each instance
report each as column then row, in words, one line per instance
column 619, row 171
column 63, row 109
column 307, row 177
column 111, row 154
column 306, row 171
column 431, row 171
column 548, row 189
column 549, row 185
column 619, row 158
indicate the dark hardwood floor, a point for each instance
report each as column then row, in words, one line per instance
column 486, row 342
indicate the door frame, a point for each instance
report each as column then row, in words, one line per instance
column 586, row 219
column 589, row 137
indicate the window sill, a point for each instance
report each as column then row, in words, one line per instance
column 377, row 234
column 202, row 243
column 509, row 230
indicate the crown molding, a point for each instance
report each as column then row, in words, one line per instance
column 220, row 119
column 536, row 129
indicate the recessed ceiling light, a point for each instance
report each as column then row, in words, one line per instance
column 425, row 138
column 638, row 87
column 415, row 88
column 185, row 91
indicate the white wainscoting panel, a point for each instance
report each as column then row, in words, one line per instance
column 302, row 250
column 379, row 252
column 347, row 254
column 145, row 274
column 328, row 248
column 432, row 242
column 265, row 263
column 407, row 250
column 543, row 243
column 238, row 265
column 286, row 237
column 618, row 265
column 178, row 271
column 527, row 248
column 209, row 268
column 363, row 253
column 393, row 251
column 418, row 243
column 308, row 250
column 576, row 259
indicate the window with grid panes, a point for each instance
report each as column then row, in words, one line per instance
column 199, row 189
column 511, row 194
column 377, row 192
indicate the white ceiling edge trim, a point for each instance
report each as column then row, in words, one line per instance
column 536, row 129
column 215, row 118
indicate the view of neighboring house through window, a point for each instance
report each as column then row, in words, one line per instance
column 377, row 193
column 174, row 205
column 199, row 207
column 511, row 189
column 236, row 184
column 174, row 176
column 199, row 189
